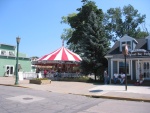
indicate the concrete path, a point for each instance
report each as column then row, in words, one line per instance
column 134, row 93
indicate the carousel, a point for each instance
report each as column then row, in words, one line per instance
column 62, row 61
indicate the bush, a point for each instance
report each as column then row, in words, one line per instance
column 77, row 79
column 41, row 79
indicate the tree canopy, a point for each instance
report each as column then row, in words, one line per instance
column 88, row 36
column 94, row 44
column 125, row 21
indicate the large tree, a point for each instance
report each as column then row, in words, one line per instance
column 93, row 45
column 77, row 22
column 125, row 21
column 89, row 37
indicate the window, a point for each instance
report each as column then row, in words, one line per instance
column 3, row 52
column 122, row 67
column 128, row 43
column 144, row 65
column 147, row 65
column 11, row 53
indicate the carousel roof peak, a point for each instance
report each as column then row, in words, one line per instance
column 61, row 54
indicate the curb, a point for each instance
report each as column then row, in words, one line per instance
column 123, row 98
column 14, row 85
column 116, row 98
column 93, row 96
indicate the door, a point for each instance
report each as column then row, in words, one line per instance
column 9, row 70
column 138, row 69
column 146, row 69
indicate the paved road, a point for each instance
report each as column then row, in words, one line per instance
column 136, row 93
column 26, row 100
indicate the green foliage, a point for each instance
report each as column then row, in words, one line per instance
column 77, row 22
column 94, row 44
column 124, row 21
column 41, row 79
column 89, row 38
column 67, row 32
column 77, row 79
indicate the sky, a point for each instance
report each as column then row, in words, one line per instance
column 37, row 22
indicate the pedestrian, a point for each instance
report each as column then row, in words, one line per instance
column 45, row 73
column 115, row 78
column 105, row 77
column 122, row 79
column 37, row 72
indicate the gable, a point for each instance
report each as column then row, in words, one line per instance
column 135, row 44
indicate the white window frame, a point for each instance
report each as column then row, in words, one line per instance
column 125, row 42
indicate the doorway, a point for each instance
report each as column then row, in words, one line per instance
column 9, row 69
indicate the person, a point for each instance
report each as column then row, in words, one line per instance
column 115, row 78
column 122, row 78
column 140, row 81
column 37, row 72
column 45, row 73
column 105, row 77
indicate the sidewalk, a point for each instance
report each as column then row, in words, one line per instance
column 134, row 93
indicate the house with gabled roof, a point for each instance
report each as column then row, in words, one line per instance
column 137, row 60
column 8, row 61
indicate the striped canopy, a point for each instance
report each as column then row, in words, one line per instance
column 61, row 54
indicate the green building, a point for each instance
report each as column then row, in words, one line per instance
column 8, row 61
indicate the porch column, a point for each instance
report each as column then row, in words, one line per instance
column 111, row 71
column 131, row 70
column 138, row 67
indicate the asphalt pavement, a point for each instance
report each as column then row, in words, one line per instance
column 133, row 93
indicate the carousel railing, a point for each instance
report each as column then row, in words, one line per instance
column 66, row 75
column 32, row 75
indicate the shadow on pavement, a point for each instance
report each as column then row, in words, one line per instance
column 96, row 90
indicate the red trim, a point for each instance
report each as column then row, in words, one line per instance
column 74, row 56
column 54, row 55
column 64, row 55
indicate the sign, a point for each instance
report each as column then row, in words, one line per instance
column 140, row 52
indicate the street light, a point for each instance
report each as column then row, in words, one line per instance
column 125, row 53
column 18, row 41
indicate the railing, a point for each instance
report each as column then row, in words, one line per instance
column 66, row 75
column 29, row 75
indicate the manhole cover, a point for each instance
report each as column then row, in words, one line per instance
column 27, row 98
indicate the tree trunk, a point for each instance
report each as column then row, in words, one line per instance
column 95, row 75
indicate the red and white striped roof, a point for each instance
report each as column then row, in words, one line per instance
column 61, row 54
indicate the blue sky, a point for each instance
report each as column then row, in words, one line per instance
column 37, row 22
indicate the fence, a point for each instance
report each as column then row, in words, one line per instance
column 29, row 75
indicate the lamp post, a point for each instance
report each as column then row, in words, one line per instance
column 125, row 53
column 18, row 41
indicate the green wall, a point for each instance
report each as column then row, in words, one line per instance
column 8, row 61
column 11, row 61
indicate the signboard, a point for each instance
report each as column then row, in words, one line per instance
column 140, row 52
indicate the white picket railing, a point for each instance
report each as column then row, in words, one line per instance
column 29, row 75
